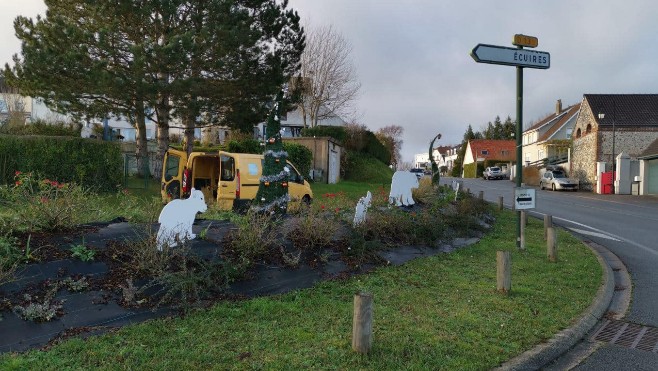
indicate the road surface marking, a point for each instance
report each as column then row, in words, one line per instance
column 594, row 234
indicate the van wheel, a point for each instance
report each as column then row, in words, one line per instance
column 306, row 201
column 553, row 186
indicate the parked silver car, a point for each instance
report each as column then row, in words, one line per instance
column 493, row 172
column 557, row 180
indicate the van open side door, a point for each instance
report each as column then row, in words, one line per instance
column 172, row 174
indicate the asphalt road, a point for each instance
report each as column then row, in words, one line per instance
column 627, row 226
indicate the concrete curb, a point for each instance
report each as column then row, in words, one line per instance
column 544, row 353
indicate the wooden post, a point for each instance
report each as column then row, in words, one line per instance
column 468, row 191
column 362, row 323
column 504, row 271
column 481, row 195
column 548, row 223
column 500, row 203
column 524, row 218
column 551, row 244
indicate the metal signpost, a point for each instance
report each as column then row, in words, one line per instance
column 520, row 58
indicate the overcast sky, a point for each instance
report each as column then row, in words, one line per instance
column 412, row 57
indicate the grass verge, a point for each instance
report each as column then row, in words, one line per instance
column 440, row 312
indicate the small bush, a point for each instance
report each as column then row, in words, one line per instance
column 40, row 308
column 44, row 311
column 82, row 252
column 44, row 204
column 76, row 285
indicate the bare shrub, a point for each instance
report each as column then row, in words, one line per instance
column 254, row 236
column 426, row 193
column 311, row 231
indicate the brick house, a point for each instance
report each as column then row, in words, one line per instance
column 627, row 122
column 481, row 150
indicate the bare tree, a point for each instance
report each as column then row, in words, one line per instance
column 329, row 83
column 391, row 137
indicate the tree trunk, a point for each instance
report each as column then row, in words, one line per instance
column 162, row 135
column 303, row 109
column 141, row 148
column 188, row 123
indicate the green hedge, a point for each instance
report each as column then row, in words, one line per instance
column 300, row 156
column 40, row 127
column 472, row 170
column 336, row 132
column 244, row 146
column 369, row 144
column 361, row 167
column 90, row 163
column 376, row 149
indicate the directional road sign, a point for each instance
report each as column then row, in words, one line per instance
column 494, row 54
column 524, row 198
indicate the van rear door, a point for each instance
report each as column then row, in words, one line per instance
column 228, row 185
column 172, row 174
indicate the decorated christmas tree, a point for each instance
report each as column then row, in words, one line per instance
column 272, row 196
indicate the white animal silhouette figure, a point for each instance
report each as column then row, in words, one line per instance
column 403, row 182
column 361, row 209
column 177, row 217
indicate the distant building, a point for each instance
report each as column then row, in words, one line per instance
column 293, row 123
column 545, row 141
column 480, row 150
column 422, row 160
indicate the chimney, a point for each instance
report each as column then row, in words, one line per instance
column 558, row 107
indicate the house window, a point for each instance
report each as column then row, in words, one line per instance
column 589, row 129
column 540, row 154
column 569, row 132
column 578, row 133
column 484, row 152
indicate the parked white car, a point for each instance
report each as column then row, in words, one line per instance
column 558, row 180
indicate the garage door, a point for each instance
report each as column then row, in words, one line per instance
column 334, row 167
column 653, row 177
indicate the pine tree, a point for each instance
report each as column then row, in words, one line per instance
column 498, row 130
column 220, row 59
column 272, row 196
column 509, row 128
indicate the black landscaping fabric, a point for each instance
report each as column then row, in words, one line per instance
column 94, row 312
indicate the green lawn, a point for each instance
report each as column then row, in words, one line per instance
column 441, row 312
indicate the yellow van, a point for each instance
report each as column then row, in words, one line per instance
column 229, row 179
